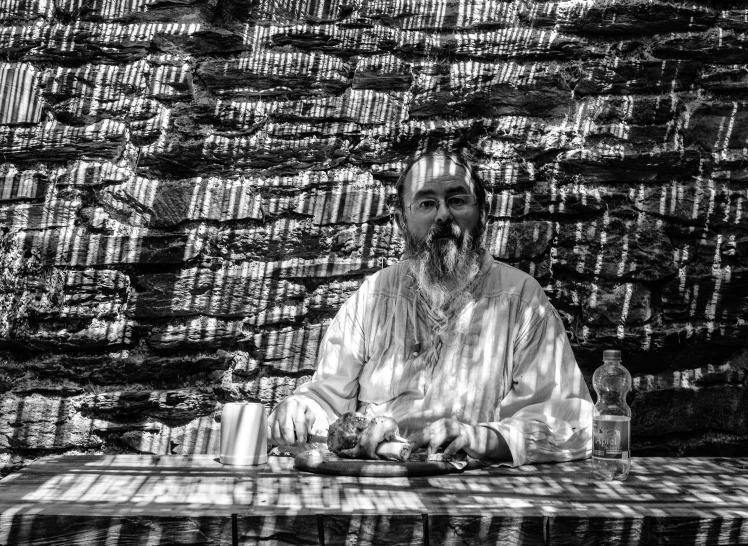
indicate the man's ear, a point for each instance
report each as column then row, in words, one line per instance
column 486, row 212
column 398, row 216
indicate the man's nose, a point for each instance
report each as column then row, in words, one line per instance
column 443, row 213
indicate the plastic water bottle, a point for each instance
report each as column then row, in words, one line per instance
column 611, row 420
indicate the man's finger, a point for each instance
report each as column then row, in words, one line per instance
column 438, row 437
column 287, row 430
column 300, row 429
column 310, row 419
column 461, row 442
column 277, row 438
column 277, row 433
column 418, row 439
column 303, row 424
column 271, row 420
column 433, row 436
column 270, row 435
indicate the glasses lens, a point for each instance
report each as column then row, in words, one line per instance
column 455, row 203
column 424, row 207
column 460, row 202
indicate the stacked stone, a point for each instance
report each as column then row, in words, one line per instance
column 190, row 190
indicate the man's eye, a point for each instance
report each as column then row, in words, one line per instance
column 427, row 204
column 457, row 201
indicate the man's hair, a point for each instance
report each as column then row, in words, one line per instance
column 458, row 158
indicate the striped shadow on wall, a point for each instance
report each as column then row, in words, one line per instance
column 19, row 94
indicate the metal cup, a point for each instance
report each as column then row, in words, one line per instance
column 243, row 434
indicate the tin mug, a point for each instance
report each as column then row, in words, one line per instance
column 243, row 434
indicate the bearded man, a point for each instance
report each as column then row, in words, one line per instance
column 464, row 352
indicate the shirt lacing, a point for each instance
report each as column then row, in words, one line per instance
column 438, row 322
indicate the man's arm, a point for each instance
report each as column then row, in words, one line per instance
column 333, row 389
column 547, row 414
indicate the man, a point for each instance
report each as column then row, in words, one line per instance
column 464, row 352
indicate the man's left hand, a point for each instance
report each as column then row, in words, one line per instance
column 478, row 442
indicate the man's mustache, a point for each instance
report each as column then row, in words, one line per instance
column 439, row 231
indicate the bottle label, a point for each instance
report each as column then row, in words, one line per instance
column 611, row 437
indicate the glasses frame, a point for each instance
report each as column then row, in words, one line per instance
column 439, row 203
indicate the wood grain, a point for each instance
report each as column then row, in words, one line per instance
column 138, row 499
column 47, row 530
column 369, row 530
column 705, row 531
column 480, row 530
column 278, row 531
column 600, row 531
column 199, row 485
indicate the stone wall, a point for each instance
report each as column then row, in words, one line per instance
column 189, row 190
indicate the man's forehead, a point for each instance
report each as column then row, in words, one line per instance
column 436, row 167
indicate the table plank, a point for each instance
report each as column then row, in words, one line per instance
column 704, row 531
column 482, row 530
column 278, row 531
column 138, row 499
column 368, row 530
column 573, row 531
column 48, row 530
column 200, row 486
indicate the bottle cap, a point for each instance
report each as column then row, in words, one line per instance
column 612, row 354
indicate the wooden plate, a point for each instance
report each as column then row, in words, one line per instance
column 326, row 462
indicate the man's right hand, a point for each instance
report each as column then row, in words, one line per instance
column 290, row 424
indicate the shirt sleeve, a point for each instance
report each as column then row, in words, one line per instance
column 333, row 389
column 547, row 414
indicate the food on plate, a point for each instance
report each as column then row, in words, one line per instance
column 458, row 460
column 441, row 457
column 354, row 436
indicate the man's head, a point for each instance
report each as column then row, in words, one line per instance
column 438, row 163
column 442, row 212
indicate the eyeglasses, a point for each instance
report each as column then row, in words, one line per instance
column 457, row 204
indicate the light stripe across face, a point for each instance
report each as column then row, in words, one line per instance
column 435, row 166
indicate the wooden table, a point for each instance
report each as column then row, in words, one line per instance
column 138, row 500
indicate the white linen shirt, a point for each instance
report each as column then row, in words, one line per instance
column 505, row 364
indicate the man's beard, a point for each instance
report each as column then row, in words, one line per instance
column 444, row 263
